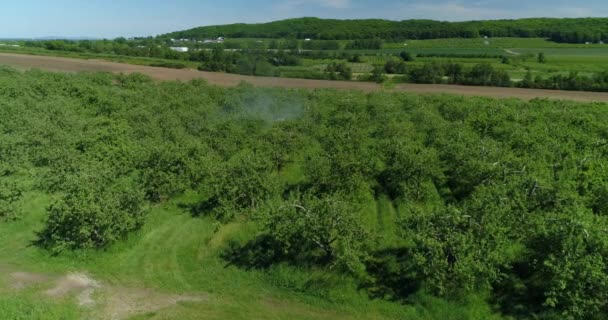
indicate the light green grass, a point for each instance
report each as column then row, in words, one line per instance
column 177, row 254
column 491, row 43
column 144, row 61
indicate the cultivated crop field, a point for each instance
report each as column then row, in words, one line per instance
column 500, row 43
column 126, row 198
column 303, row 169
column 561, row 58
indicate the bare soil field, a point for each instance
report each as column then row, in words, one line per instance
column 57, row 64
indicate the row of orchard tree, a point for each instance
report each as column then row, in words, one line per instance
column 402, row 193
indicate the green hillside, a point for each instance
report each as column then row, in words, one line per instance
column 579, row 30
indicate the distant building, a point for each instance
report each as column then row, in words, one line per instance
column 179, row 49
column 218, row 40
column 307, row 39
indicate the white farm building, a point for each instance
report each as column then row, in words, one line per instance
column 179, row 49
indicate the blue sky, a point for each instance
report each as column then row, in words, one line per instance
column 112, row 18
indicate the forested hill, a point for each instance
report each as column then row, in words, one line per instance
column 577, row 30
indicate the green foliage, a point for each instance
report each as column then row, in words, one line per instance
column 338, row 71
column 443, row 249
column 541, row 58
column 92, row 214
column 560, row 30
column 15, row 307
column 564, row 268
column 378, row 74
column 406, row 56
column 485, row 74
column 10, row 194
column 329, row 225
column 373, row 44
column 411, row 198
column 241, row 185
column 170, row 170
column 394, row 67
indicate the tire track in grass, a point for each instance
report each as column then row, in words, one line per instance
column 387, row 220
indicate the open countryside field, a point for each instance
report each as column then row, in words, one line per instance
column 166, row 165
column 302, row 169
column 562, row 59
column 25, row 62
column 488, row 43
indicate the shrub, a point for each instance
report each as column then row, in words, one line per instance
column 10, row 193
column 92, row 214
column 338, row 71
column 172, row 65
column 406, row 56
column 328, row 225
column 394, row 67
column 243, row 184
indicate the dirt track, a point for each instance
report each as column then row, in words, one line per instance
column 76, row 65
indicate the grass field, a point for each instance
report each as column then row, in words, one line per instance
column 533, row 43
column 175, row 254
column 561, row 58
column 143, row 61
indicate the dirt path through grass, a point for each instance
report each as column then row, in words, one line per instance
column 58, row 64
column 104, row 301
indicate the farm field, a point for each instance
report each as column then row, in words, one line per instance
column 561, row 59
column 302, row 169
column 122, row 198
column 26, row 62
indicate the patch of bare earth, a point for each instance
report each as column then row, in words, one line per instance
column 24, row 62
column 107, row 302
column 78, row 284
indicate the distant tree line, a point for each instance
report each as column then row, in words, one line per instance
column 572, row 81
column 485, row 74
column 460, row 55
column 450, row 73
column 578, row 30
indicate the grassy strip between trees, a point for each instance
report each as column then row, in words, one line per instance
column 394, row 203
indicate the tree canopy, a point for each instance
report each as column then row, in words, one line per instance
column 570, row 30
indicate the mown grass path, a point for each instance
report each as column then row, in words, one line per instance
column 168, row 270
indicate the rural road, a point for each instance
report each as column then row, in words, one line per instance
column 24, row 62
